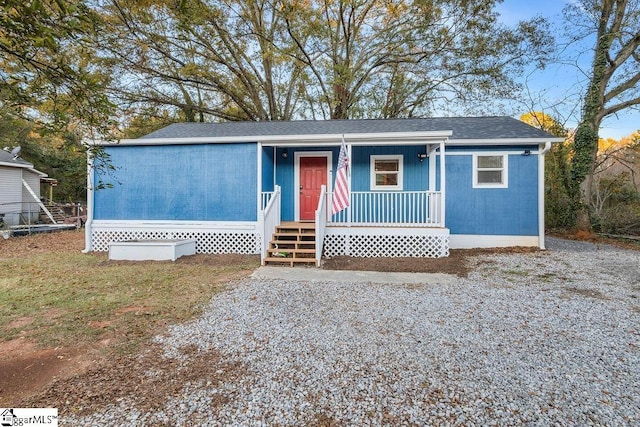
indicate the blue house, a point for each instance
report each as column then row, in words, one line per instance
column 418, row 187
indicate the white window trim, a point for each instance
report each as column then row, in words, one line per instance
column 504, row 169
column 400, row 159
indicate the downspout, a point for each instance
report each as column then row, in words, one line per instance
column 88, row 223
column 259, row 177
column 545, row 149
column 443, row 186
column 349, row 169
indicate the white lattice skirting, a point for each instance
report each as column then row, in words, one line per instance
column 432, row 243
column 211, row 241
column 242, row 238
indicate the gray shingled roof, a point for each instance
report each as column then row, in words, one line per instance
column 462, row 127
column 6, row 157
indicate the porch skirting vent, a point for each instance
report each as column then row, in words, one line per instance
column 402, row 242
column 207, row 242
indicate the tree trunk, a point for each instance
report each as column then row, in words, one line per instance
column 586, row 137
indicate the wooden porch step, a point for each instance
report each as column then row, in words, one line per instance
column 286, row 241
column 292, row 250
column 289, row 261
column 294, row 235
column 292, row 243
column 299, row 227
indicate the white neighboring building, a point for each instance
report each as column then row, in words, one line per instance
column 15, row 198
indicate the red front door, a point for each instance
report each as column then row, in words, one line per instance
column 313, row 174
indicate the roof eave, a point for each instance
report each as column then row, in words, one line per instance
column 17, row 165
column 504, row 141
column 332, row 139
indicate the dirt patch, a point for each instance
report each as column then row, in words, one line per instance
column 212, row 260
column 25, row 368
column 456, row 263
column 218, row 260
column 146, row 381
column 20, row 322
column 59, row 241
column 591, row 293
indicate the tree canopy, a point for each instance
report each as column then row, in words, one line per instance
column 287, row 59
column 46, row 63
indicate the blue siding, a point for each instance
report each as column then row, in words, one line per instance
column 267, row 168
column 492, row 211
column 205, row 182
column 415, row 173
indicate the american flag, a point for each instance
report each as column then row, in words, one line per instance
column 341, row 188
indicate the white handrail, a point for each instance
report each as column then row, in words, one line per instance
column 269, row 218
column 266, row 196
column 321, row 223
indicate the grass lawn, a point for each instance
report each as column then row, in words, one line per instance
column 53, row 294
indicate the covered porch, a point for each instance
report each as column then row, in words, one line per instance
column 408, row 219
column 375, row 225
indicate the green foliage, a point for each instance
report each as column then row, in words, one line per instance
column 585, row 145
column 615, row 194
column 58, row 153
column 147, row 121
column 52, row 95
column 620, row 211
column 47, row 63
column 559, row 213
column 612, row 86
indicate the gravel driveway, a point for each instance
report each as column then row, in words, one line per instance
column 546, row 338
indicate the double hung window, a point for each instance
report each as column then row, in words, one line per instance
column 490, row 171
column 386, row 172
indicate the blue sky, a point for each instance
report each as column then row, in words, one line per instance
column 561, row 85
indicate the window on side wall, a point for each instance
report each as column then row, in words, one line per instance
column 490, row 171
column 386, row 172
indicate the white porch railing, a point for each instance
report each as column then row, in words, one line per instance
column 269, row 218
column 391, row 209
column 265, row 197
column 321, row 223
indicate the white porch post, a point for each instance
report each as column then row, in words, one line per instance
column 349, row 210
column 259, row 183
column 347, row 239
column 442, row 184
column 432, row 168
column 90, row 204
